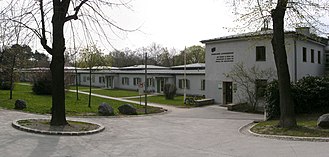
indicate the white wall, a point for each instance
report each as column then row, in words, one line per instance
column 245, row 51
column 195, row 84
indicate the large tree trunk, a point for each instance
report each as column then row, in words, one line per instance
column 287, row 118
column 58, row 116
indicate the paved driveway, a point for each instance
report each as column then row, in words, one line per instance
column 199, row 132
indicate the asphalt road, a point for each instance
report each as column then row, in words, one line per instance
column 199, row 132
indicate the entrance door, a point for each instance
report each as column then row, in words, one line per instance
column 109, row 82
column 160, row 84
column 227, row 93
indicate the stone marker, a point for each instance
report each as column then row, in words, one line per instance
column 127, row 109
column 20, row 104
column 105, row 109
column 323, row 121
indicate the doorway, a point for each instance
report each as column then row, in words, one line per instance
column 109, row 82
column 227, row 93
column 160, row 84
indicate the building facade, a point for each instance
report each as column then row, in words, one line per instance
column 306, row 56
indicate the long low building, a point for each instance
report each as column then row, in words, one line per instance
column 132, row 77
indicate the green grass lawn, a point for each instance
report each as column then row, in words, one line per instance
column 108, row 92
column 307, row 127
column 42, row 103
column 160, row 99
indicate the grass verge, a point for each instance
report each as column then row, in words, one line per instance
column 41, row 104
column 307, row 127
column 108, row 92
column 160, row 99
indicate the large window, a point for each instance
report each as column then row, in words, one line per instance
column 319, row 57
column 260, row 88
column 260, row 53
column 203, row 84
column 84, row 79
column 137, row 80
column 150, row 82
column 312, row 56
column 181, row 84
column 101, row 79
column 125, row 81
column 304, row 54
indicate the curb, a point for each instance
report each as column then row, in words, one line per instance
column 246, row 131
column 61, row 133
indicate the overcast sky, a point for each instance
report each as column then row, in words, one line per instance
column 174, row 23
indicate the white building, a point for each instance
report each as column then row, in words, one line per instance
column 305, row 56
column 131, row 77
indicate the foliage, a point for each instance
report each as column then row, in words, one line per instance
column 247, row 80
column 311, row 95
column 5, row 85
column 194, row 54
column 272, row 96
column 170, row 91
column 42, row 86
column 92, row 56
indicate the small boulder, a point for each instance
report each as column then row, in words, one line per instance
column 127, row 109
column 105, row 109
column 20, row 104
column 323, row 121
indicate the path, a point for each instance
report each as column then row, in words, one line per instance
column 209, row 131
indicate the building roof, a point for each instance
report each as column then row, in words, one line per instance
column 104, row 68
column 304, row 32
column 139, row 67
column 189, row 66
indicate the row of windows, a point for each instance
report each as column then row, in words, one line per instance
column 312, row 55
column 137, row 81
column 150, row 82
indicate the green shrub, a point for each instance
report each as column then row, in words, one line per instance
column 272, row 96
column 170, row 91
column 310, row 94
column 5, row 85
column 42, row 87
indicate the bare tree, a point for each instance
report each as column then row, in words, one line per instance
column 250, row 81
column 259, row 13
column 46, row 19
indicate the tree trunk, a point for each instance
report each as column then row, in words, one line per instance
column 58, row 116
column 287, row 118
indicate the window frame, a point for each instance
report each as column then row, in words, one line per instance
column 312, row 55
column 304, row 54
column 260, row 53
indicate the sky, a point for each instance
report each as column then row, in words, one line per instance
column 170, row 23
column 174, row 23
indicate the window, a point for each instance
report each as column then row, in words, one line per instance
column 101, row 80
column 93, row 79
column 137, row 80
column 84, row 79
column 213, row 49
column 181, row 84
column 88, row 78
column 260, row 53
column 203, row 84
column 260, row 88
column 319, row 57
column 150, row 82
column 312, row 56
column 125, row 81
column 304, row 54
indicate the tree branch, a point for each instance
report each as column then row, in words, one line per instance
column 76, row 9
column 43, row 38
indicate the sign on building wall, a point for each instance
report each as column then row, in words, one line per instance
column 224, row 56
